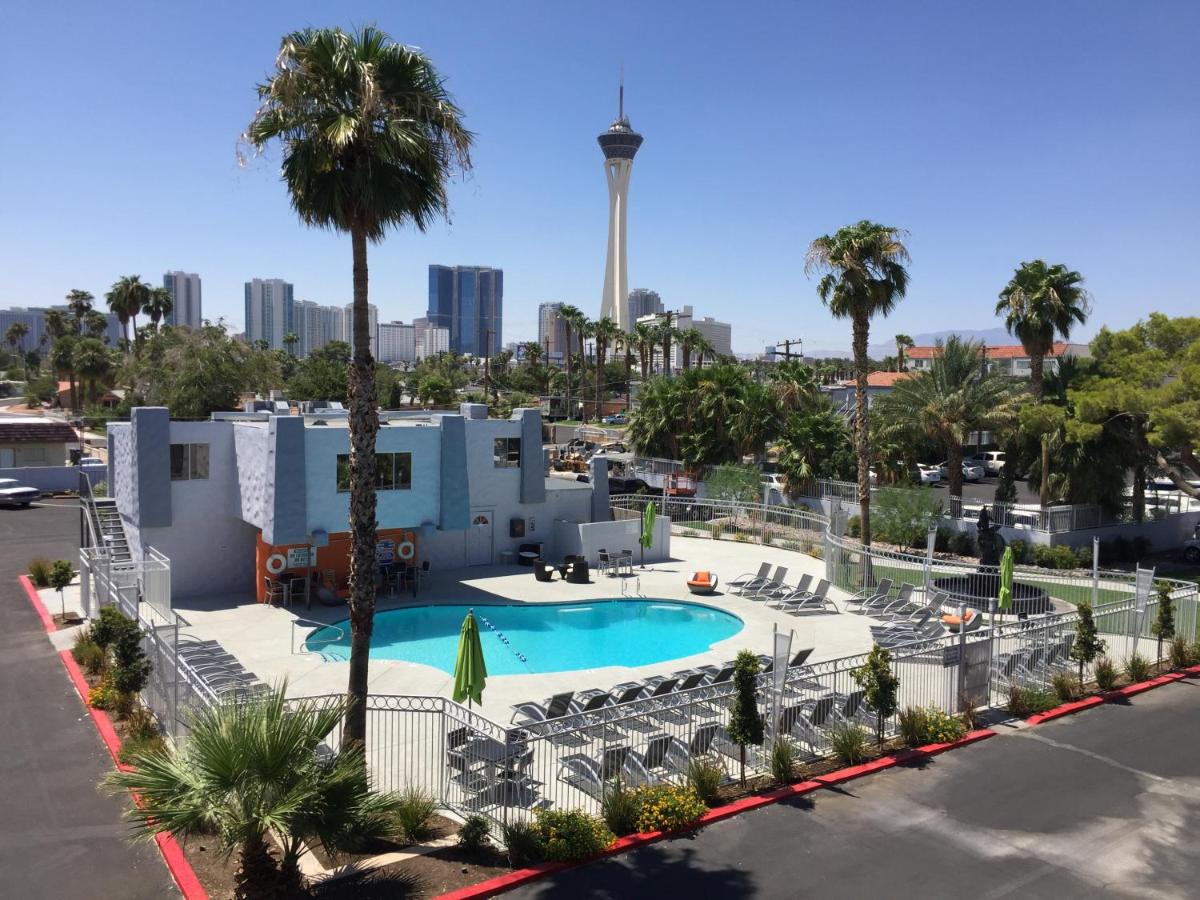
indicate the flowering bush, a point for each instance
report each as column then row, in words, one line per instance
column 667, row 807
column 943, row 728
column 569, row 834
column 103, row 696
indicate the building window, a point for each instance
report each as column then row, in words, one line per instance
column 507, row 453
column 393, row 472
column 189, row 462
column 34, row 456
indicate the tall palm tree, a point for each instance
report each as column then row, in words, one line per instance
column 863, row 276
column 158, row 305
column 688, row 339
column 627, row 343
column 249, row 770
column 645, row 338
column 371, row 138
column 903, row 342
column 125, row 299
column 80, row 304
column 57, row 324
column 15, row 335
column 533, row 353
column 606, row 333
column 1039, row 303
column 703, row 347
column 90, row 360
column 290, row 340
column 794, row 385
column 570, row 315
column 948, row 402
column 666, row 334
column 95, row 324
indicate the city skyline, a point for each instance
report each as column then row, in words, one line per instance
column 1110, row 194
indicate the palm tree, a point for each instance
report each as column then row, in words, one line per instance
column 606, row 333
column 95, row 324
column 645, row 338
column 533, row 353
column 903, row 342
column 126, row 298
column 1039, row 303
column 570, row 316
column 16, row 339
column 627, row 343
column 864, row 276
column 667, row 333
column 57, row 325
column 252, row 769
column 290, row 340
column 703, row 347
column 80, row 304
column 584, row 328
column 949, row 401
column 91, row 360
column 158, row 305
column 371, row 138
column 794, row 385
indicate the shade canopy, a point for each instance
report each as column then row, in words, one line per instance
column 470, row 671
column 648, row 517
column 1006, row 580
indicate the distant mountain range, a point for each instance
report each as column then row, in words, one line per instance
column 990, row 336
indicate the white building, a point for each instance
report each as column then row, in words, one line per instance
column 185, row 293
column 552, row 332
column 269, row 310
column 719, row 334
column 430, row 340
column 397, row 342
column 1003, row 359
column 373, row 324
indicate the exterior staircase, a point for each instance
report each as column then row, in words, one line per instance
column 106, row 523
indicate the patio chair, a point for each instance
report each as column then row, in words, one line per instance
column 775, row 595
column 901, row 606
column 656, row 687
column 577, row 572
column 592, row 776
column 554, row 708
column 816, row 600
column 774, row 583
column 716, row 674
column 702, row 582
column 930, row 631
column 627, row 692
column 914, row 624
column 954, row 623
column 276, row 591
column 805, row 720
column 543, row 571
column 750, row 580
column 663, row 755
column 870, row 595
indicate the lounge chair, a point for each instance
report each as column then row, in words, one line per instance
column 805, row 720
column 776, row 596
column 899, row 607
column 627, row 692
column 750, row 580
column 774, row 583
column 702, row 582
column 542, row 570
column 929, row 631
column 816, row 600
column 554, row 708
column 954, row 623
column 593, row 776
column 883, row 601
column 872, row 594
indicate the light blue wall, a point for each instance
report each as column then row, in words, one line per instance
column 54, row 478
column 287, row 482
column 533, row 467
column 151, row 426
column 455, row 476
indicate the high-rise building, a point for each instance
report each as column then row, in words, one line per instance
column 269, row 311
column 620, row 144
column 372, row 324
column 642, row 302
column 34, row 320
column 552, row 332
column 335, row 323
column 430, row 340
column 468, row 301
column 309, row 322
column 718, row 334
column 397, row 342
column 185, row 293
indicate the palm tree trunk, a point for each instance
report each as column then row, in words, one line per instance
column 600, row 353
column 862, row 441
column 1139, row 493
column 568, row 400
column 628, row 381
column 1044, row 492
column 1036, row 363
column 954, row 455
column 364, row 423
column 257, row 877
column 74, row 392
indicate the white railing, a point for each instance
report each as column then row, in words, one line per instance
column 793, row 528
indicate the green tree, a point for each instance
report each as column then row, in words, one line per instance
column 15, row 335
column 606, row 334
column 1164, row 618
column 1040, row 303
column 864, row 275
column 62, row 362
column 795, row 386
column 95, row 324
column 93, row 363
column 645, row 338
column 158, row 305
column 80, row 304
column 740, row 484
column 61, row 575
column 903, row 343
column 290, row 340
column 250, row 770
column 1087, row 644
column 573, row 320
column 667, row 333
column 881, row 688
column 434, row 389
column 745, row 721
column 1047, row 424
column 126, row 298
column 371, row 138
column 815, row 444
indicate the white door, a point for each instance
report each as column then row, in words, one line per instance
column 479, row 540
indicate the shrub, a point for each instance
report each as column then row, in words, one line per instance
column 742, row 536
column 109, row 624
column 524, row 843
column 1065, row 686
column 1140, row 547
column 1106, row 674
column 913, row 726
column 619, row 810
column 880, row 687
column 667, row 807
column 1059, row 557
column 903, row 515
column 134, row 748
column 962, row 543
column 141, row 724
column 1087, row 644
column 1083, row 557
column 968, row 712
column 1137, row 667
column 474, row 834
column 103, row 695
column 88, row 654
column 1163, row 627
column 414, row 809
column 854, row 526
column 783, row 760
column 569, row 834
column 1020, row 550
column 715, row 530
column 124, row 703
column 1024, row 702
column 849, row 743
column 943, row 728
column 745, row 723
column 1182, row 653
column 704, row 776
column 39, row 572
column 941, row 540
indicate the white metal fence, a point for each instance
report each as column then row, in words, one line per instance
column 793, row 528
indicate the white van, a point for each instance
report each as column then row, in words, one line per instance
column 992, row 461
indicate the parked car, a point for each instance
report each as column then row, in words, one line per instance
column 971, row 471
column 924, row 474
column 92, row 462
column 775, row 480
column 13, row 494
column 614, row 419
column 992, row 461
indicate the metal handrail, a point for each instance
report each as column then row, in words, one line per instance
column 310, row 623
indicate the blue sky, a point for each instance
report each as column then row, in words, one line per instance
column 992, row 132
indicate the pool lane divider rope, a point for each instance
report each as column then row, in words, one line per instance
column 503, row 639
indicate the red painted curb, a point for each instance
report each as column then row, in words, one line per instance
column 38, row 606
column 177, row 864
column 520, row 877
column 1130, row 690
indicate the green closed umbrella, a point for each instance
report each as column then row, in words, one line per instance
column 648, row 516
column 1006, row 579
column 470, row 671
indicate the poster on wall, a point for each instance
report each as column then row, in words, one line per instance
column 385, row 552
column 301, row 558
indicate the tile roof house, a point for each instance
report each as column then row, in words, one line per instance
column 1003, row 359
column 33, row 441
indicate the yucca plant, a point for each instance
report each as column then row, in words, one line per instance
column 250, row 769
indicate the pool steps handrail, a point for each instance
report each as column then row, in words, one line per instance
column 309, row 623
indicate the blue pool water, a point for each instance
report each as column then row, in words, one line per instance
column 553, row 637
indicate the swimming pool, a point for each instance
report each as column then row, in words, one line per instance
column 552, row 637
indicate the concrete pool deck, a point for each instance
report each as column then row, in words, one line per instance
column 261, row 636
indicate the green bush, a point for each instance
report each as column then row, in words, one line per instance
column 667, row 807
column 1137, row 667
column 569, row 834
column 524, row 843
column 1065, row 686
column 619, row 810
column 962, row 543
column 1182, row 653
column 943, row 728
column 141, row 724
column 1024, row 702
column 1106, row 674
column 854, row 526
column 783, row 760
column 109, row 625
column 1059, row 557
column 131, row 668
column 39, row 572
column 849, row 743
column 1083, row 557
column 88, row 654
column 1020, row 550
column 903, row 515
column 134, row 748
column 103, row 695
column 414, row 810
column 704, row 776
column 474, row 834
column 913, row 725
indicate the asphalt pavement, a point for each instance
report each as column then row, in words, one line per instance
column 59, row 836
column 1104, row 803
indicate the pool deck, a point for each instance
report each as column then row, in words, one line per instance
column 261, row 636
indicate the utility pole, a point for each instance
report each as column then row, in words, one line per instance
column 787, row 348
column 487, row 364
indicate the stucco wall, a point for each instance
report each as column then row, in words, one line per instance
column 250, row 447
column 36, row 453
column 122, row 485
column 54, row 478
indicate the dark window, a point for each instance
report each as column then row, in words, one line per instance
column 393, row 472
column 189, row 462
column 507, row 453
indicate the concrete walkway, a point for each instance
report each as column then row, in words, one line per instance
column 59, row 836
